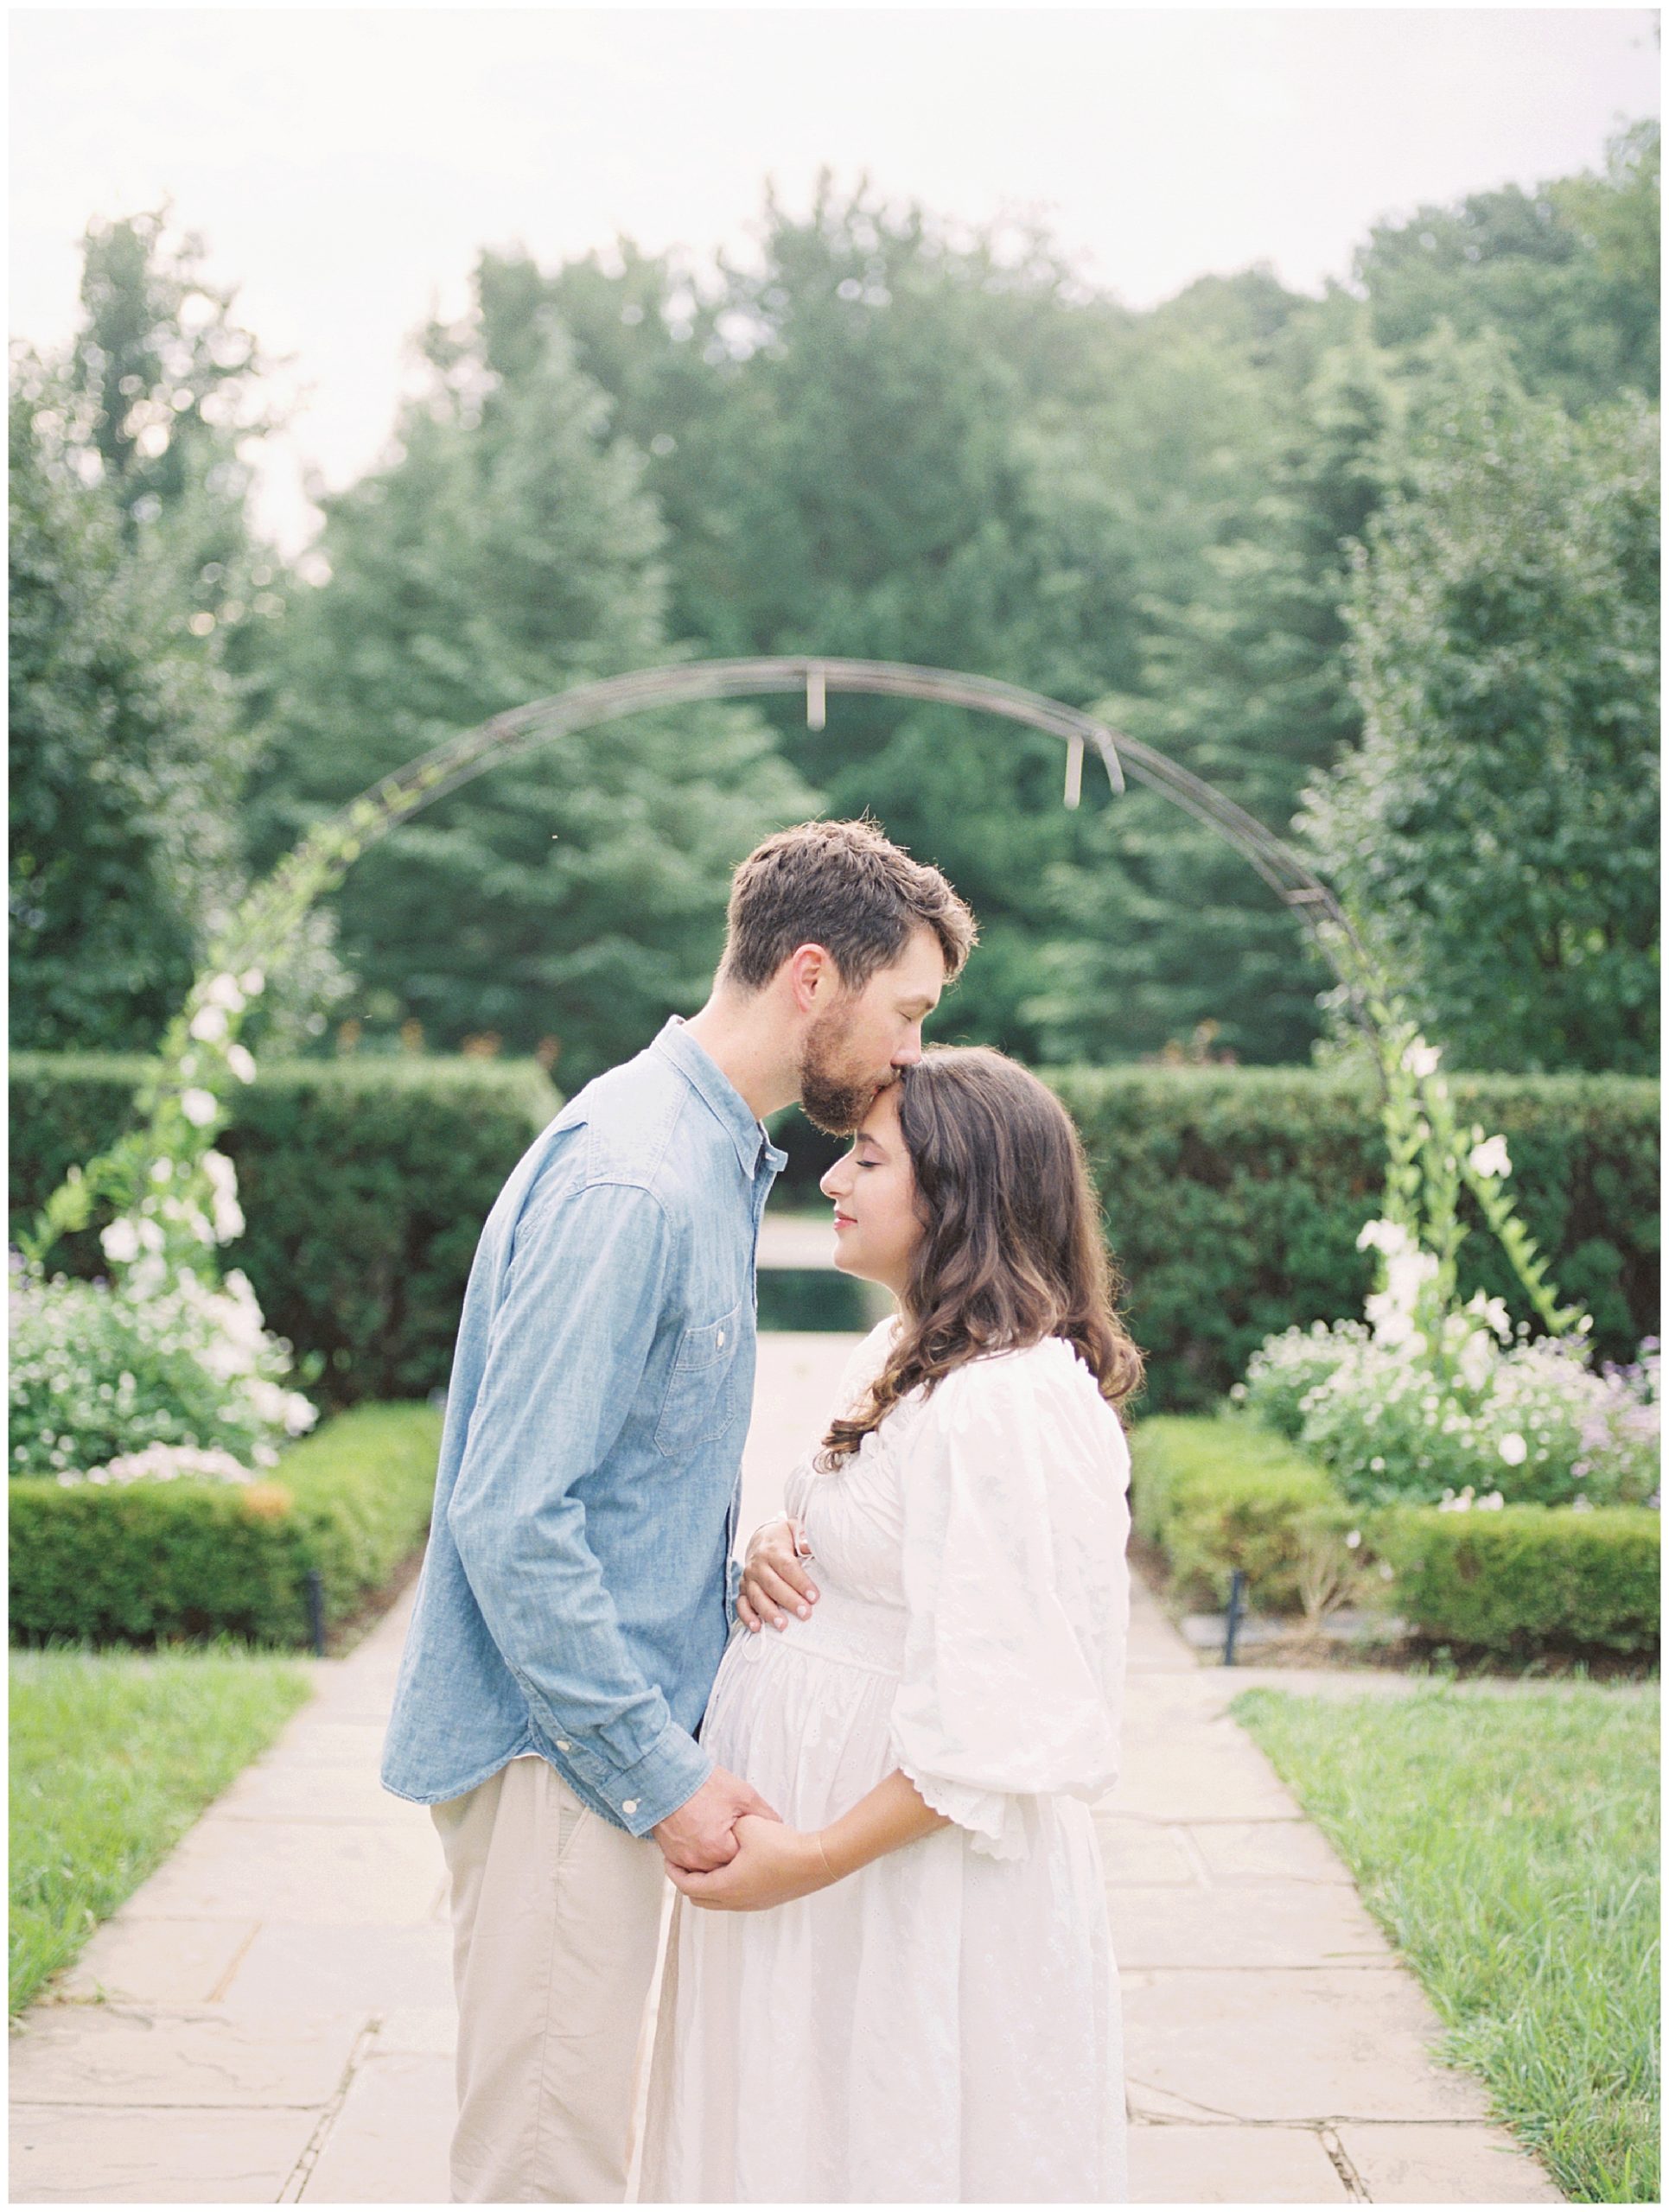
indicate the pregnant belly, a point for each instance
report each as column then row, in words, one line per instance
column 802, row 1713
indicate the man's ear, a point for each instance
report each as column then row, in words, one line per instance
column 812, row 977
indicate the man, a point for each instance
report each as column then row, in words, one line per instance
column 578, row 1589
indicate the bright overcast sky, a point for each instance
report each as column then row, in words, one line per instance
column 346, row 164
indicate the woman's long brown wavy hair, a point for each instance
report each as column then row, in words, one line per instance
column 1012, row 1249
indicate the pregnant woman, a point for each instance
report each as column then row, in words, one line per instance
column 904, row 1990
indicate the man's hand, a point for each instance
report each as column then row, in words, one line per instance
column 774, row 1864
column 774, row 1576
column 701, row 1834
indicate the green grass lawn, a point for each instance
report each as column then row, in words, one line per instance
column 1508, row 1847
column 112, row 1758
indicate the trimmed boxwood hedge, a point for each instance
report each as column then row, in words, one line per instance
column 146, row 1562
column 1225, row 1492
column 364, row 1184
column 1234, row 1197
column 1217, row 1493
column 1526, row 1575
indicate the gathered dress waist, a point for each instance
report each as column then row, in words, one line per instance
column 851, row 1631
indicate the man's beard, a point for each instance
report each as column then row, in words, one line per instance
column 832, row 1097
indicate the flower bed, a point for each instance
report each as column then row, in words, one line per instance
column 141, row 1561
column 364, row 1182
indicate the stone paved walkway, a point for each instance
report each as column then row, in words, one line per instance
column 269, row 2018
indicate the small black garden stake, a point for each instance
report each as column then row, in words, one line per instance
column 1236, row 1591
column 315, row 1610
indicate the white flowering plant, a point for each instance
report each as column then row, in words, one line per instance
column 1529, row 1422
column 1432, row 1400
column 109, row 1384
column 163, row 1357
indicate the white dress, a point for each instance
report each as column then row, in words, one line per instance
column 942, row 2027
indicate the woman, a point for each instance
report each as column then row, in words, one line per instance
column 904, row 1989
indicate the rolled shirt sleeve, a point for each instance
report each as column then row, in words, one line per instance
column 1015, row 1522
column 570, row 1338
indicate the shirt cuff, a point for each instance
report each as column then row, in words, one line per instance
column 667, row 1776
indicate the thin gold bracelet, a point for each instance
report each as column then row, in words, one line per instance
column 823, row 1854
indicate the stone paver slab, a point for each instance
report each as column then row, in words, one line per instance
column 390, row 2142
column 1236, row 1851
column 117, row 2054
column 342, row 1969
column 278, row 1790
column 1288, row 2044
column 92, row 2154
column 1276, row 1924
column 1142, row 1851
column 1422, row 2164
column 418, row 2031
column 1180, row 2165
column 356, row 1744
column 322, row 1873
column 157, row 1961
column 1199, row 1775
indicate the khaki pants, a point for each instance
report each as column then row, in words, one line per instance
column 555, row 1917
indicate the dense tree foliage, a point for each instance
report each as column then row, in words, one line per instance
column 571, row 899
column 125, row 755
column 885, row 437
column 1497, row 826
column 144, row 616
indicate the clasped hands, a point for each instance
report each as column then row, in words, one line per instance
column 726, row 1849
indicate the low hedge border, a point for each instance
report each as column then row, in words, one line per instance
column 364, row 1182
column 1217, row 1492
column 152, row 1562
column 1525, row 1575
column 1233, row 1198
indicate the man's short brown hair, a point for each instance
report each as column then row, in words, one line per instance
column 846, row 886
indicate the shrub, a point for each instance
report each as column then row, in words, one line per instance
column 146, row 1561
column 1233, row 1198
column 1523, row 1575
column 364, row 1184
column 1218, row 1494
column 98, row 1375
column 1392, row 1422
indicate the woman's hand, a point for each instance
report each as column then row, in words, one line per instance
column 773, row 1865
column 774, row 1576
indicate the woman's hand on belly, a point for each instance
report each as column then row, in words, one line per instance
column 774, row 1576
column 774, row 1864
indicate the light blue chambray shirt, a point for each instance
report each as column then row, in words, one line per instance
column 578, row 1589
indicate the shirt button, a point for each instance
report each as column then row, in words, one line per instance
column 561, row 1746
column 630, row 1806
column 721, row 1340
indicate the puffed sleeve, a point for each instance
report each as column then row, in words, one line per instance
column 1015, row 1522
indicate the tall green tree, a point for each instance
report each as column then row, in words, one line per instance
column 848, row 441
column 507, row 551
column 1567, row 273
column 1163, row 930
column 126, row 751
column 1496, row 831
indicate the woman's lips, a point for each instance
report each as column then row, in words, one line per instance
column 844, row 1221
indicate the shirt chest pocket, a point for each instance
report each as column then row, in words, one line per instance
column 705, row 1389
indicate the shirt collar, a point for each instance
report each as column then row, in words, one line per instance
column 703, row 1075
